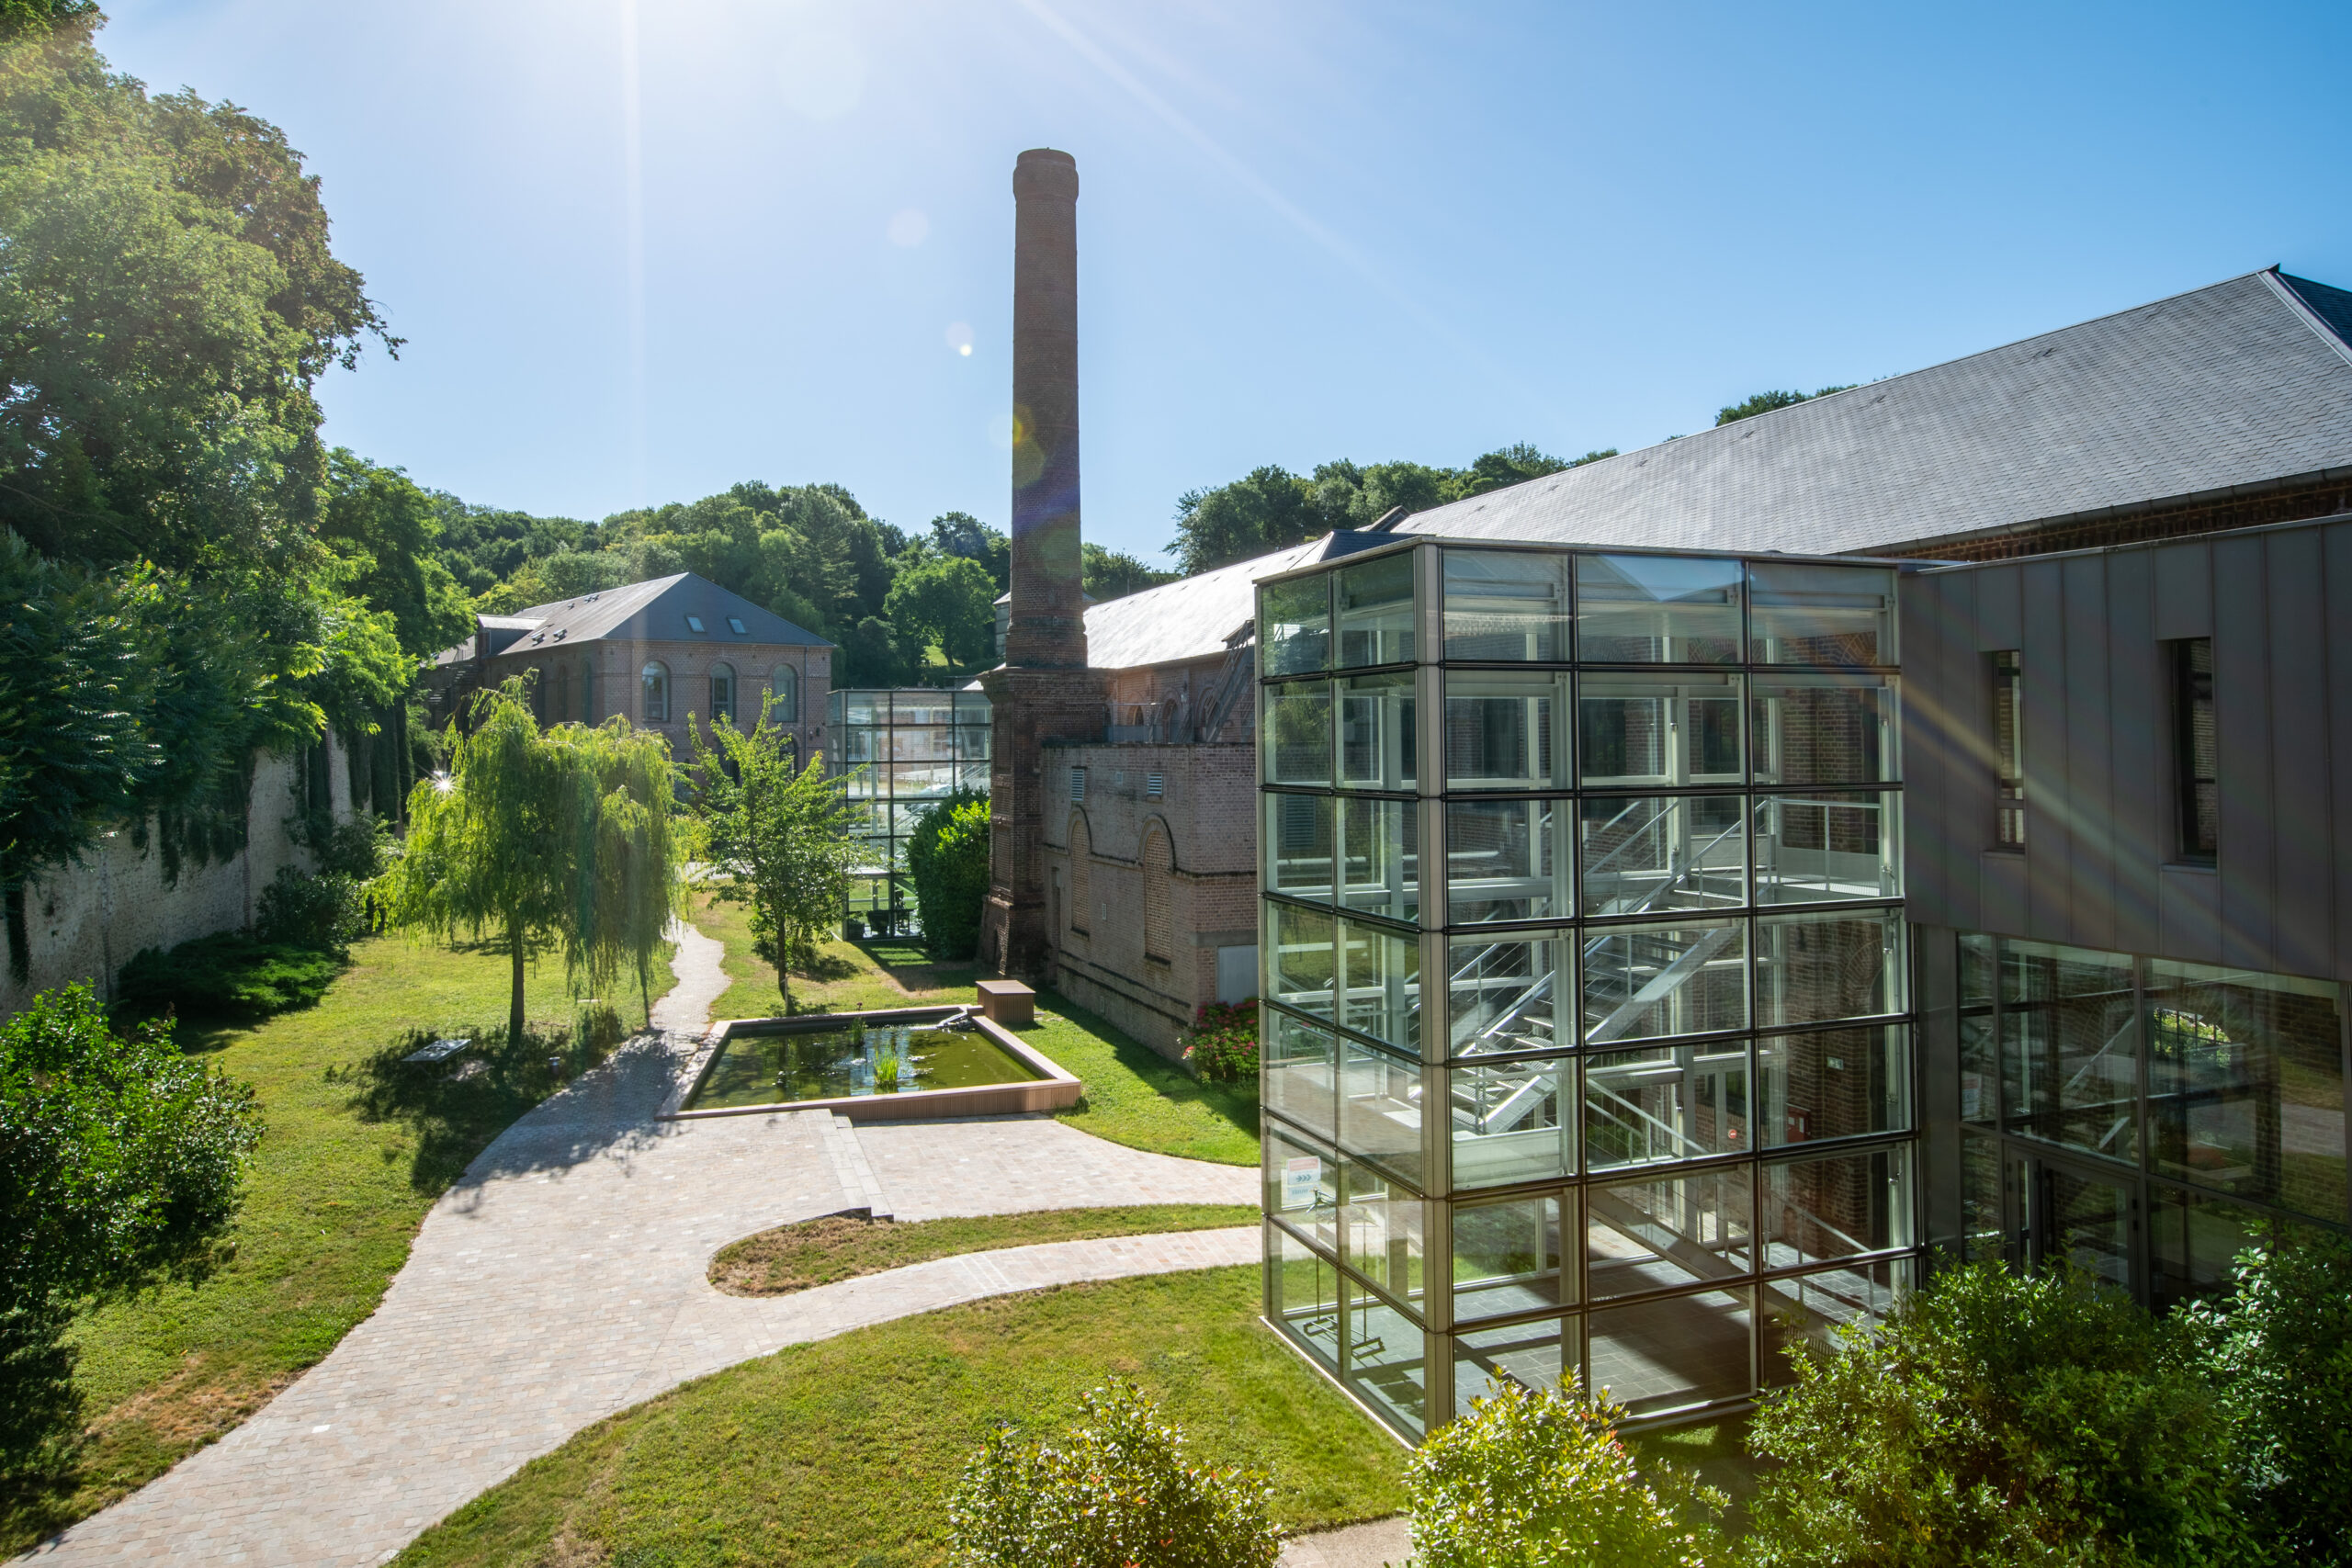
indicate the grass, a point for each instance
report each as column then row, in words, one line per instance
column 1133, row 1095
column 352, row 1155
column 841, row 1247
column 842, row 1452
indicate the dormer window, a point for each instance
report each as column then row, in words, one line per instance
column 694, row 623
column 735, row 624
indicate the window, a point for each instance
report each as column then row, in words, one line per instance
column 2194, row 748
column 2008, row 750
column 1158, row 894
column 786, row 684
column 656, row 679
column 722, row 692
column 1081, row 873
column 694, row 623
column 735, row 624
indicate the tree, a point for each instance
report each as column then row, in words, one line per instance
column 122, row 1164
column 385, row 531
column 1996, row 1417
column 947, row 855
column 565, row 838
column 951, row 601
column 961, row 533
column 1113, row 574
column 1765, row 402
column 782, row 830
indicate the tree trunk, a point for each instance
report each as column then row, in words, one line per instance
column 514, row 1005
column 784, row 984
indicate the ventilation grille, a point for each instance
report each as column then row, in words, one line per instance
column 1077, row 783
column 1155, row 785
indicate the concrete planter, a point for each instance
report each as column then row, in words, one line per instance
column 1054, row 1090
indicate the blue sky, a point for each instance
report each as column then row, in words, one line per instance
column 641, row 250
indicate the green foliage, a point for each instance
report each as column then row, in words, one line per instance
column 569, row 839
column 1765, row 402
column 1224, row 1047
column 231, row 976
column 1540, row 1480
column 298, row 910
column 386, row 531
column 2280, row 1350
column 2001, row 1418
column 961, row 533
column 1114, row 575
column 949, row 600
column 1123, row 1494
column 949, row 857
column 782, row 831
column 120, row 1164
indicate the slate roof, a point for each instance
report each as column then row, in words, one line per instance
column 1190, row 619
column 2243, row 383
column 653, row 611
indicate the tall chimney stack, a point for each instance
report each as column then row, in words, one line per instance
column 1047, row 629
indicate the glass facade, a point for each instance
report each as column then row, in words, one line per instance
column 2140, row 1116
column 897, row 753
column 1621, row 1081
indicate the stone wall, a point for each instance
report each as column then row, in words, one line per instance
column 85, row 921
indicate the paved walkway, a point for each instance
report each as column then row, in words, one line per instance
column 564, row 1279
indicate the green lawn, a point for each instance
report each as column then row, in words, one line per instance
column 841, row 1247
column 352, row 1155
column 1133, row 1095
column 841, row 1453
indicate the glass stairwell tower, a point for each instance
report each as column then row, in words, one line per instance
column 1618, row 1083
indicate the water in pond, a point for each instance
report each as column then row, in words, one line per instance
column 766, row 1069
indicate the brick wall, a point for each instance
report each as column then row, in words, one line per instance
column 595, row 680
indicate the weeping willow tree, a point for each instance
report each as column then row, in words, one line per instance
column 570, row 840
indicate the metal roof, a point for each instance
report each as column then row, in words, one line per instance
column 2244, row 382
column 653, row 611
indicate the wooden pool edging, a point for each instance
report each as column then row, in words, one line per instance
column 1055, row 1090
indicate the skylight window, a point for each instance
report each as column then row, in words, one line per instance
column 694, row 623
column 735, row 624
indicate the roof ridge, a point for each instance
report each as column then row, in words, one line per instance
column 2329, row 333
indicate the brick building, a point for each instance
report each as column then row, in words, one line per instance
column 659, row 652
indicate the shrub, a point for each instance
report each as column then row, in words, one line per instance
column 949, row 857
column 1224, row 1046
column 2280, row 1350
column 229, row 975
column 297, row 909
column 359, row 848
column 123, row 1163
column 1123, row 1494
column 1540, row 1480
column 1995, row 1419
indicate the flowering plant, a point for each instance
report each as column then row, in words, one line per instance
column 1224, row 1047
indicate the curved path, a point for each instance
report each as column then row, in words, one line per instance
column 563, row 1279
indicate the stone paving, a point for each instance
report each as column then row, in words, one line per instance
column 564, row 1279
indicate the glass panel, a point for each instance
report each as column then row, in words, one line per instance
column 1373, row 604
column 1383, row 979
column 1828, row 845
column 1838, row 1083
column 1802, row 1315
column 1298, row 734
column 2197, row 1239
column 2245, row 1084
column 1380, row 857
column 1509, row 1122
column 1500, row 605
column 1821, row 614
column 1508, row 994
column 1666, row 731
column 1380, row 1231
column 1302, row 1185
column 1665, row 1355
column 1380, row 1107
column 1815, row 968
column 2069, row 1049
column 1503, row 861
column 1657, row 610
column 1507, row 1256
column 1306, row 1294
column 1301, row 1072
column 1385, row 1365
column 1674, row 1230
column 1979, row 1084
column 1503, row 731
column 1649, row 854
column 1299, row 846
column 864, row 707
column 1302, row 966
column 2089, row 1223
column 1836, row 1206
column 1534, row 1355
column 1668, row 1103
column 1376, row 735
column 1295, row 626
column 1983, row 1235
column 1646, row 982
column 1823, row 729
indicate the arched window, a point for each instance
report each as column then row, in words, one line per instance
column 722, row 692
column 786, row 684
column 560, row 711
column 1158, row 895
column 1082, row 880
column 656, row 678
